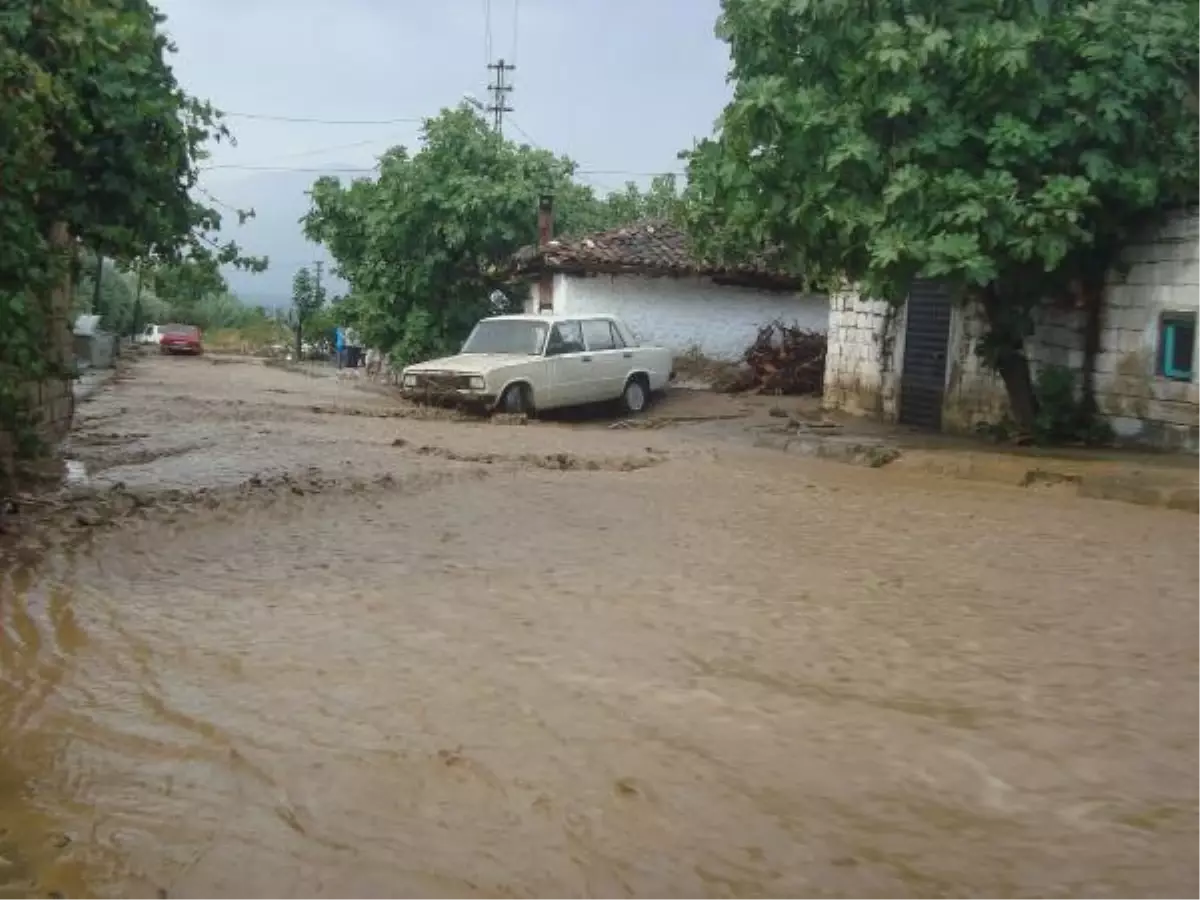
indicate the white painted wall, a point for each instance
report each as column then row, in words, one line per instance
column 679, row 313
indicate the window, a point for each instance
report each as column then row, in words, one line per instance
column 565, row 337
column 518, row 337
column 1177, row 345
column 599, row 334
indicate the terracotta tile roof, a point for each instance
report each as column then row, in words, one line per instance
column 650, row 247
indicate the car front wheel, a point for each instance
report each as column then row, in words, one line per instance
column 635, row 397
column 516, row 401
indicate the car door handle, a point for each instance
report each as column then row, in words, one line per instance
column 627, row 355
column 585, row 359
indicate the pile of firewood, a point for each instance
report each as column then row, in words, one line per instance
column 787, row 359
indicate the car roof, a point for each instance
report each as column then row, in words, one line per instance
column 547, row 317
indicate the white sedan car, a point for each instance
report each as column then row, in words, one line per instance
column 521, row 364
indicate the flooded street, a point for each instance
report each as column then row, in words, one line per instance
column 352, row 651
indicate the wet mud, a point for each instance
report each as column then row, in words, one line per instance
column 264, row 649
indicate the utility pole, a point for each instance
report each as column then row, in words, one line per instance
column 135, row 325
column 317, row 266
column 500, row 89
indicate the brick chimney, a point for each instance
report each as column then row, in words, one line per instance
column 545, row 284
column 545, row 219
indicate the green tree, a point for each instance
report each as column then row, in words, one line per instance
column 322, row 324
column 1009, row 147
column 99, row 148
column 662, row 200
column 308, row 297
column 186, row 282
column 425, row 244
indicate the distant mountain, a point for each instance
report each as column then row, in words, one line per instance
column 258, row 298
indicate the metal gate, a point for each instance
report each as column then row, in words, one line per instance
column 923, row 373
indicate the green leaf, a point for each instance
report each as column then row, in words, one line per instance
column 937, row 136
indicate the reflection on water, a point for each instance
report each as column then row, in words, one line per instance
column 77, row 474
column 731, row 678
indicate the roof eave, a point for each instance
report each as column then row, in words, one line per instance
column 730, row 277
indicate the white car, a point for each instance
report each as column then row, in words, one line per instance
column 151, row 334
column 522, row 364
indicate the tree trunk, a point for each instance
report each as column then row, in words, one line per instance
column 1014, row 370
column 1010, row 361
column 299, row 342
column 137, row 306
column 75, row 268
column 96, row 298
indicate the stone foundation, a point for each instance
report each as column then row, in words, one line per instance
column 50, row 403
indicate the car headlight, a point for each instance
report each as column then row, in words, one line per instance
column 410, row 381
column 476, row 383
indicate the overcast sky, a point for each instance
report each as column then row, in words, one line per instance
column 618, row 85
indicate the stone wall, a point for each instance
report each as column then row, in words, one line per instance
column 974, row 393
column 1160, row 274
column 862, row 363
column 1164, row 277
column 50, row 402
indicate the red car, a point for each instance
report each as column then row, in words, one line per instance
column 180, row 339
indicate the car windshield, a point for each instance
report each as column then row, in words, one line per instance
column 179, row 329
column 513, row 337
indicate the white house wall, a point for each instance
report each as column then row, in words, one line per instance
column 681, row 313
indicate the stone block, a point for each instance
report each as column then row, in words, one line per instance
column 1122, row 294
column 1188, row 273
column 1107, row 361
column 1130, row 340
column 1139, row 316
column 1174, row 391
column 1178, row 297
column 1140, row 275
column 1183, row 226
column 1174, row 413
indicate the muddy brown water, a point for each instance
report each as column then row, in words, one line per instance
column 476, row 671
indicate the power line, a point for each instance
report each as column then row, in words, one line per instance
column 525, row 134
column 328, row 169
column 217, row 200
column 264, row 117
column 317, row 152
column 368, row 170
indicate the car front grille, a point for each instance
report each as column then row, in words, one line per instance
column 442, row 381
